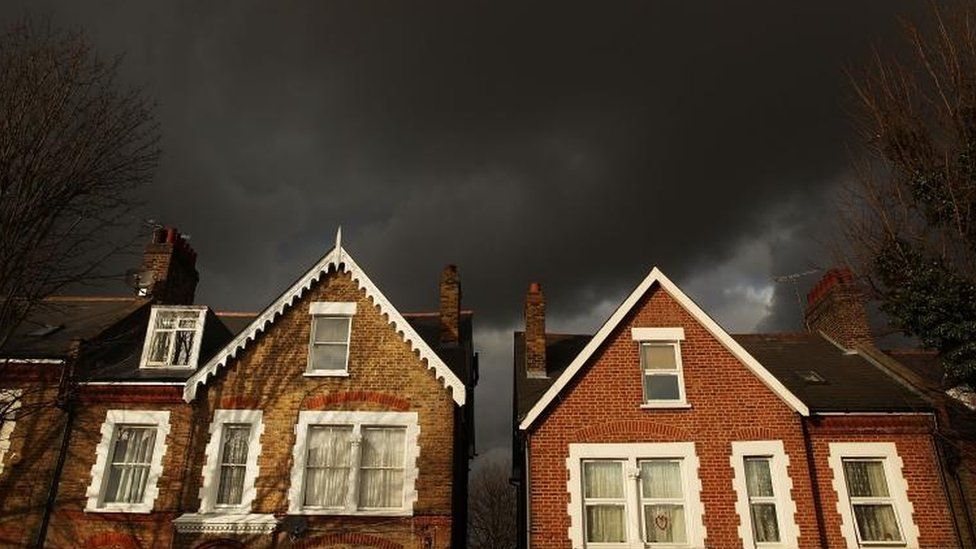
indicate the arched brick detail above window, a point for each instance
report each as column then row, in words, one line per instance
column 755, row 433
column 111, row 540
column 631, row 431
column 240, row 402
column 322, row 542
column 388, row 401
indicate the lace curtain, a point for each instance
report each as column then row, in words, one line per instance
column 664, row 521
column 327, row 465
column 129, row 467
column 868, row 490
column 381, row 467
column 605, row 521
column 233, row 464
column 762, row 504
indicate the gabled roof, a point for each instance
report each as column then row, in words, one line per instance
column 594, row 344
column 340, row 260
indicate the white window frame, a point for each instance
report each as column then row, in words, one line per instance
column 96, row 490
column 151, row 330
column 357, row 420
column 214, row 451
column 11, row 396
column 329, row 309
column 661, row 337
column 887, row 452
column 779, row 462
column 632, row 453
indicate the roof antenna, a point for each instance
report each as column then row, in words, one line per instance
column 792, row 278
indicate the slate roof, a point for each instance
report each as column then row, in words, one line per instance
column 457, row 357
column 850, row 382
column 67, row 318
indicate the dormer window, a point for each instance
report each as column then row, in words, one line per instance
column 328, row 352
column 173, row 337
column 660, row 363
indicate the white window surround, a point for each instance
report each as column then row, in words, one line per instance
column 682, row 400
column 897, row 488
column 789, row 531
column 631, row 452
column 409, row 420
column 95, row 492
column 10, row 401
column 329, row 309
column 657, row 334
column 211, row 474
column 151, row 328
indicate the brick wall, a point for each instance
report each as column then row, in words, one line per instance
column 384, row 374
column 728, row 402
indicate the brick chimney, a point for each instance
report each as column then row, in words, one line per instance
column 450, row 304
column 835, row 306
column 172, row 264
column 535, row 331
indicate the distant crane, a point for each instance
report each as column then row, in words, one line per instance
column 792, row 278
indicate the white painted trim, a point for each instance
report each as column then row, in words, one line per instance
column 789, row 531
column 197, row 338
column 656, row 276
column 10, row 421
column 33, row 360
column 211, row 478
column 897, row 489
column 251, row 523
column 410, row 420
column 691, row 484
column 134, row 383
column 95, row 491
column 332, row 308
column 657, row 334
column 336, row 258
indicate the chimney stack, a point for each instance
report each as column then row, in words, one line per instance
column 171, row 263
column 450, row 288
column 836, row 307
column 535, row 331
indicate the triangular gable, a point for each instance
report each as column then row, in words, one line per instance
column 339, row 259
column 656, row 276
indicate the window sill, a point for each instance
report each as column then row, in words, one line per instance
column 362, row 513
column 327, row 374
column 188, row 367
column 133, row 508
column 250, row 523
column 666, row 406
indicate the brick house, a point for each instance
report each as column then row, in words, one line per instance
column 329, row 419
column 663, row 430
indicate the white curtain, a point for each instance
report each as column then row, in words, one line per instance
column 877, row 522
column 865, row 479
column 660, row 478
column 664, row 523
column 327, row 465
column 331, row 341
column 759, row 480
column 759, row 485
column 603, row 480
column 233, row 464
column 129, row 466
column 381, row 467
column 658, row 357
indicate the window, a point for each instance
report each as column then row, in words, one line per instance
column 9, row 403
column 355, row 463
column 128, row 461
column 232, row 461
column 872, row 495
column 764, row 502
column 626, row 495
column 173, row 337
column 329, row 346
column 660, row 360
column 874, row 510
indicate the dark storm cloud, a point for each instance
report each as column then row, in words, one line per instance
column 577, row 145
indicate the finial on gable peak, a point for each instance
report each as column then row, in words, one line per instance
column 338, row 243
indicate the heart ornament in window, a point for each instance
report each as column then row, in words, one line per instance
column 661, row 521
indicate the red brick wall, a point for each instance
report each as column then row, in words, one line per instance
column 728, row 402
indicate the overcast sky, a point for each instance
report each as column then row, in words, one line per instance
column 573, row 144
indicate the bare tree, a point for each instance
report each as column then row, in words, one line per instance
column 491, row 509
column 74, row 145
column 910, row 213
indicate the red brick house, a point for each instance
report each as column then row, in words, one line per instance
column 329, row 419
column 663, row 430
